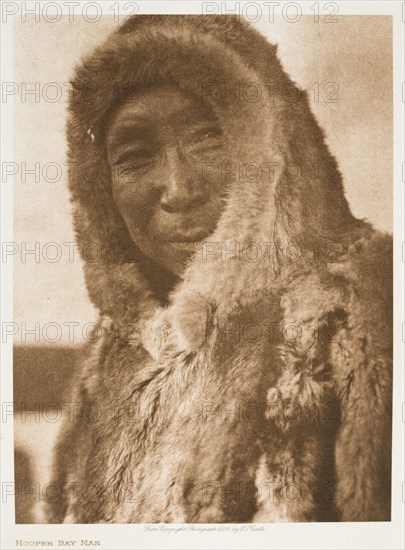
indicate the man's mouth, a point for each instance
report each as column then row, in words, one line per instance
column 190, row 237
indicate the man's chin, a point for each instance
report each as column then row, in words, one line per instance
column 173, row 255
column 176, row 255
column 185, row 247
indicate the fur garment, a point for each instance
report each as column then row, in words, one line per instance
column 258, row 387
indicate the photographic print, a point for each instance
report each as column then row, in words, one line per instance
column 202, row 294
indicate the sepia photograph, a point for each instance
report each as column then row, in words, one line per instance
column 199, row 320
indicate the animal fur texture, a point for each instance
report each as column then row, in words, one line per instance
column 258, row 388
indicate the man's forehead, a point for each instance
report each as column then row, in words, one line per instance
column 161, row 104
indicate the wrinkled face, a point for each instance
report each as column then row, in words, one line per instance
column 164, row 148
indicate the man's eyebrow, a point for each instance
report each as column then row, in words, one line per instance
column 139, row 129
column 130, row 131
column 198, row 116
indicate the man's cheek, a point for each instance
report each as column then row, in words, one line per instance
column 217, row 171
column 134, row 202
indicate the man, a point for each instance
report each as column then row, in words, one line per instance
column 230, row 380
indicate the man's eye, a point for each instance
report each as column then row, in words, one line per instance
column 212, row 133
column 135, row 160
column 211, row 136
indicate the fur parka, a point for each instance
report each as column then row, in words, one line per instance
column 258, row 387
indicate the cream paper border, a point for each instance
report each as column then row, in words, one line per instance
column 367, row 535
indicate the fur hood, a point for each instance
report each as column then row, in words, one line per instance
column 258, row 387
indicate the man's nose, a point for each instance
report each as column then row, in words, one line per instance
column 182, row 189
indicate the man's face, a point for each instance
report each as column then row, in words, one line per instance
column 164, row 148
